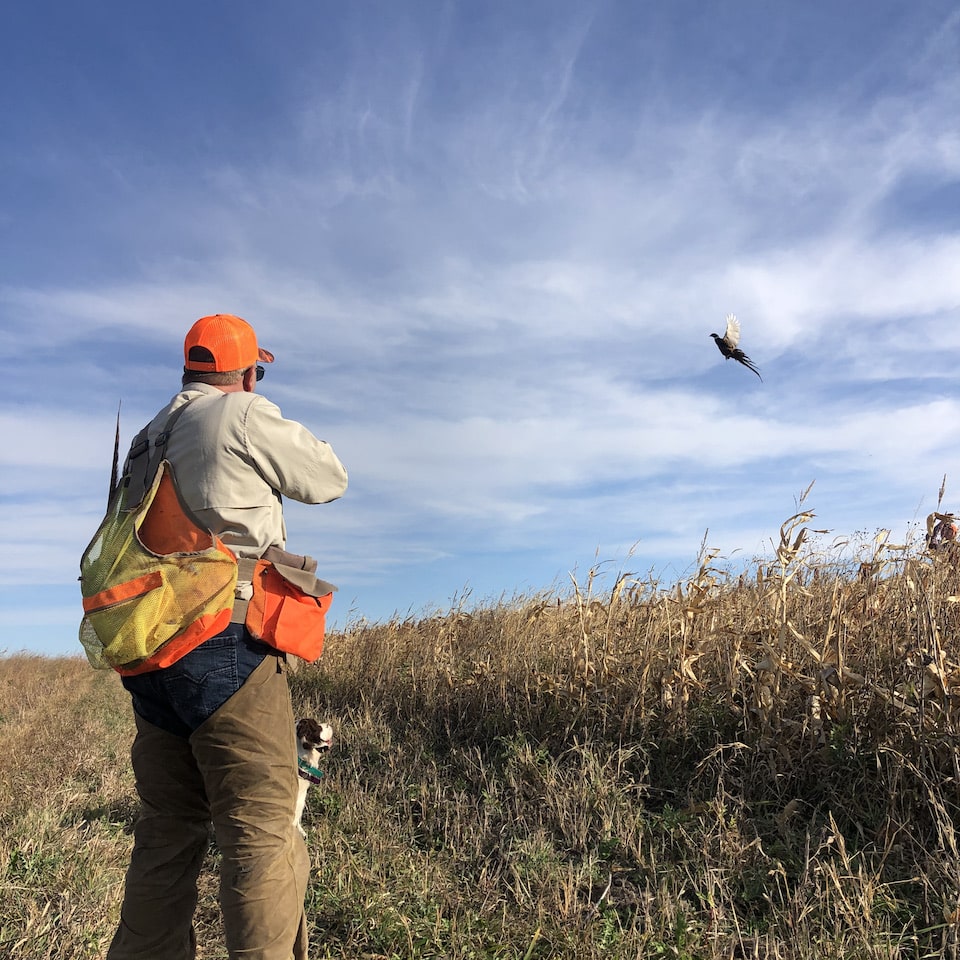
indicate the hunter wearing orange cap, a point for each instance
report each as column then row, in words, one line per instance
column 215, row 730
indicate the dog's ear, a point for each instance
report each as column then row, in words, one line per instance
column 309, row 729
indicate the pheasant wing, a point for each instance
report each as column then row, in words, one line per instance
column 732, row 335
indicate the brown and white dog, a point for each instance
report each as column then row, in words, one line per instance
column 313, row 740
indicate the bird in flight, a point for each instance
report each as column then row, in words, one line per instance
column 727, row 344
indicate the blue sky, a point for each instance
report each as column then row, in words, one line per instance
column 488, row 243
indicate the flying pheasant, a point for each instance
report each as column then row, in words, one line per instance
column 727, row 344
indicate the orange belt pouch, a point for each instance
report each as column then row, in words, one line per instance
column 286, row 616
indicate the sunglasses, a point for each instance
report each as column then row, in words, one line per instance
column 260, row 372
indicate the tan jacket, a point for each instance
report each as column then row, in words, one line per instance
column 234, row 456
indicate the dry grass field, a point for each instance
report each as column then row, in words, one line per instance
column 759, row 764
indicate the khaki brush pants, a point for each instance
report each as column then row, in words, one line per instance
column 238, row 770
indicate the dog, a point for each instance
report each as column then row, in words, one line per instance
column 313, row 741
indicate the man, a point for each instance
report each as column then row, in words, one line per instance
column 215, row 730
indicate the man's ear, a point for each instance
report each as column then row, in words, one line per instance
column 250, row 380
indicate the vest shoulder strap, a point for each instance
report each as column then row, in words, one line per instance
column 143, row 460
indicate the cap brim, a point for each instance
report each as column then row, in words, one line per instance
column 264, row 356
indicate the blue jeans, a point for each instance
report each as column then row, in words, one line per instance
column 180, row 697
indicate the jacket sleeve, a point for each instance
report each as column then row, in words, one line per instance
column 290, row 458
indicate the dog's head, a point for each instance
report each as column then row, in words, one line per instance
column 313, row 739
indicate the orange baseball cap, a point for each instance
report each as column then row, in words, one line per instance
column 220, row 343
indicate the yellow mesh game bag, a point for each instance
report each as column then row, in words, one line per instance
column 155, row 584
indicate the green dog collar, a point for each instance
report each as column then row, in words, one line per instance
column 307, row 772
